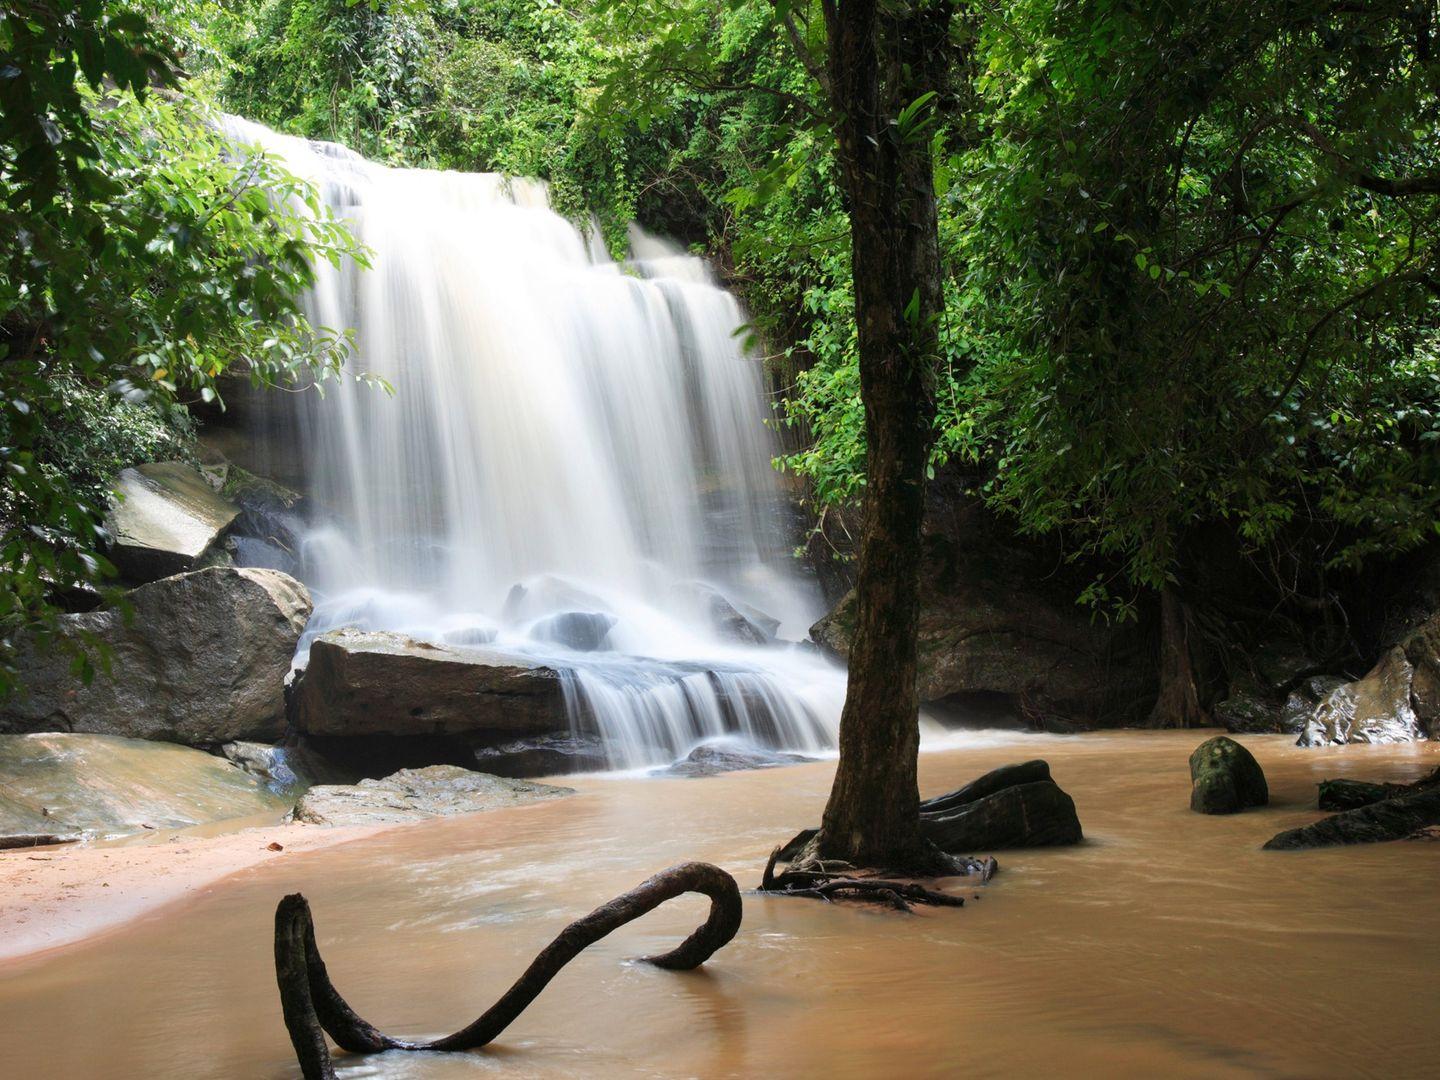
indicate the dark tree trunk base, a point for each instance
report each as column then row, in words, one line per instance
column 312, row 1006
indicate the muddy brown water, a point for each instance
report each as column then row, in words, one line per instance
column 1167, row 945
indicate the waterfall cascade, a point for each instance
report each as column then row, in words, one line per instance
column 568, row 435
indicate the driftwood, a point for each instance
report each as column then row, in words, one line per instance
column 312, row 1006
column 830, row 886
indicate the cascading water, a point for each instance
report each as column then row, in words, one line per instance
column 575, row 455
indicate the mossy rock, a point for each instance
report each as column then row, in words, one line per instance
column 1225, row 778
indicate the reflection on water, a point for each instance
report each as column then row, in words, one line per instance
column 1167, row 945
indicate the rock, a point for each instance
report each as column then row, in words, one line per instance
column 286, row 770
column 1375, row 709
column 29, row 840
column 1279, row 664
column 543, row 755
column 417, row 794
column 74, row 786
column 202, row 661
column 166, row 518
column 268, row 512
column 469, row 635
column 1225, row 778
column 380, row 683
column 1039, row 657
column 1036, row 814
column 1391, row 819
column 1009, row 807
column 711, row 759
column 1352, row 794
column 1028, row 772
column 583, row 631
column 1422, row 652
column 1301, row 702
column 726, row 617
column 1246, row 712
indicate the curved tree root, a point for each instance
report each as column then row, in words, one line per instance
column 312, row 1006
column 828, row 886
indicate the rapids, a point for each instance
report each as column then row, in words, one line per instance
column 567, row 433
column 1168, row 944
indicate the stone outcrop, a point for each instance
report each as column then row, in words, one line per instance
column 583, row 631
column 417, row 794
column 202, row 660
column 166, row 519
column 1225, row 778
column 730, row 619
column 83, row 786
column 1398, row 700
column 361, row 683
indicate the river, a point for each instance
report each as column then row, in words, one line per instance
column 1168, row 944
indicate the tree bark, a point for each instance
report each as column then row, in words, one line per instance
column 1178, row 703
column 883, row 57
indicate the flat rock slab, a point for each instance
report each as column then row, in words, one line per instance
column 362, row 682
column 1391, row 819
column 417, row 794
column 164, row 519
column 715, row 758
column 72, row 786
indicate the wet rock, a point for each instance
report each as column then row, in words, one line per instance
column 417, row 794
column 1037, row 814
column 202, row 661
column 380, row 683
column 1353, row 794
column 286, row 770
column 1247, row 712
column 1301, row 702
column 544, row 755
column 1010, row 807
column 269, row 513
column 29, row 840
column 165, row 519
column 1375, row 709
column 583, row 631
column 711, row 759
column 1391, row 819
column 100, row 785
column 1027, row 772
column 1225, row 778
column 726, row 617
column 1043, row 657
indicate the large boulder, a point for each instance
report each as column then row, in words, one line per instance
column 730, row 619
column 417, row 794
column 1375, row 709
column 84, row 786
column 202, row 660
column 1390, row 819
column 583, row 631
column 165, row 519
column 1225, row 778
column 367, row 682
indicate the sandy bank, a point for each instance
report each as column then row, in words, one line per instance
column 56, row 896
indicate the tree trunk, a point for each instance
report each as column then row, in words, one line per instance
column 881, row 59
column 1178, row 704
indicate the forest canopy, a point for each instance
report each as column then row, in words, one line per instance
column 1190, row 250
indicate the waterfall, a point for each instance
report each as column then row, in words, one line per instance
column 575, row 446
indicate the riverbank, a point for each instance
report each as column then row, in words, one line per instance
column 1167, row 944
column 52, row 897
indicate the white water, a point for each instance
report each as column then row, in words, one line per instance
column 591, row 431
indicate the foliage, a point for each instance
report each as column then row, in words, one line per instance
column 139, row 252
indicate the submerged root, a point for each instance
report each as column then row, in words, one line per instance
column 829, row 882
column 312, row 1006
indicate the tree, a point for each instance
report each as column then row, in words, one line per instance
column 886, row 63
column 142, row 256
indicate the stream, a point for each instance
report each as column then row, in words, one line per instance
column 1168, row 944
